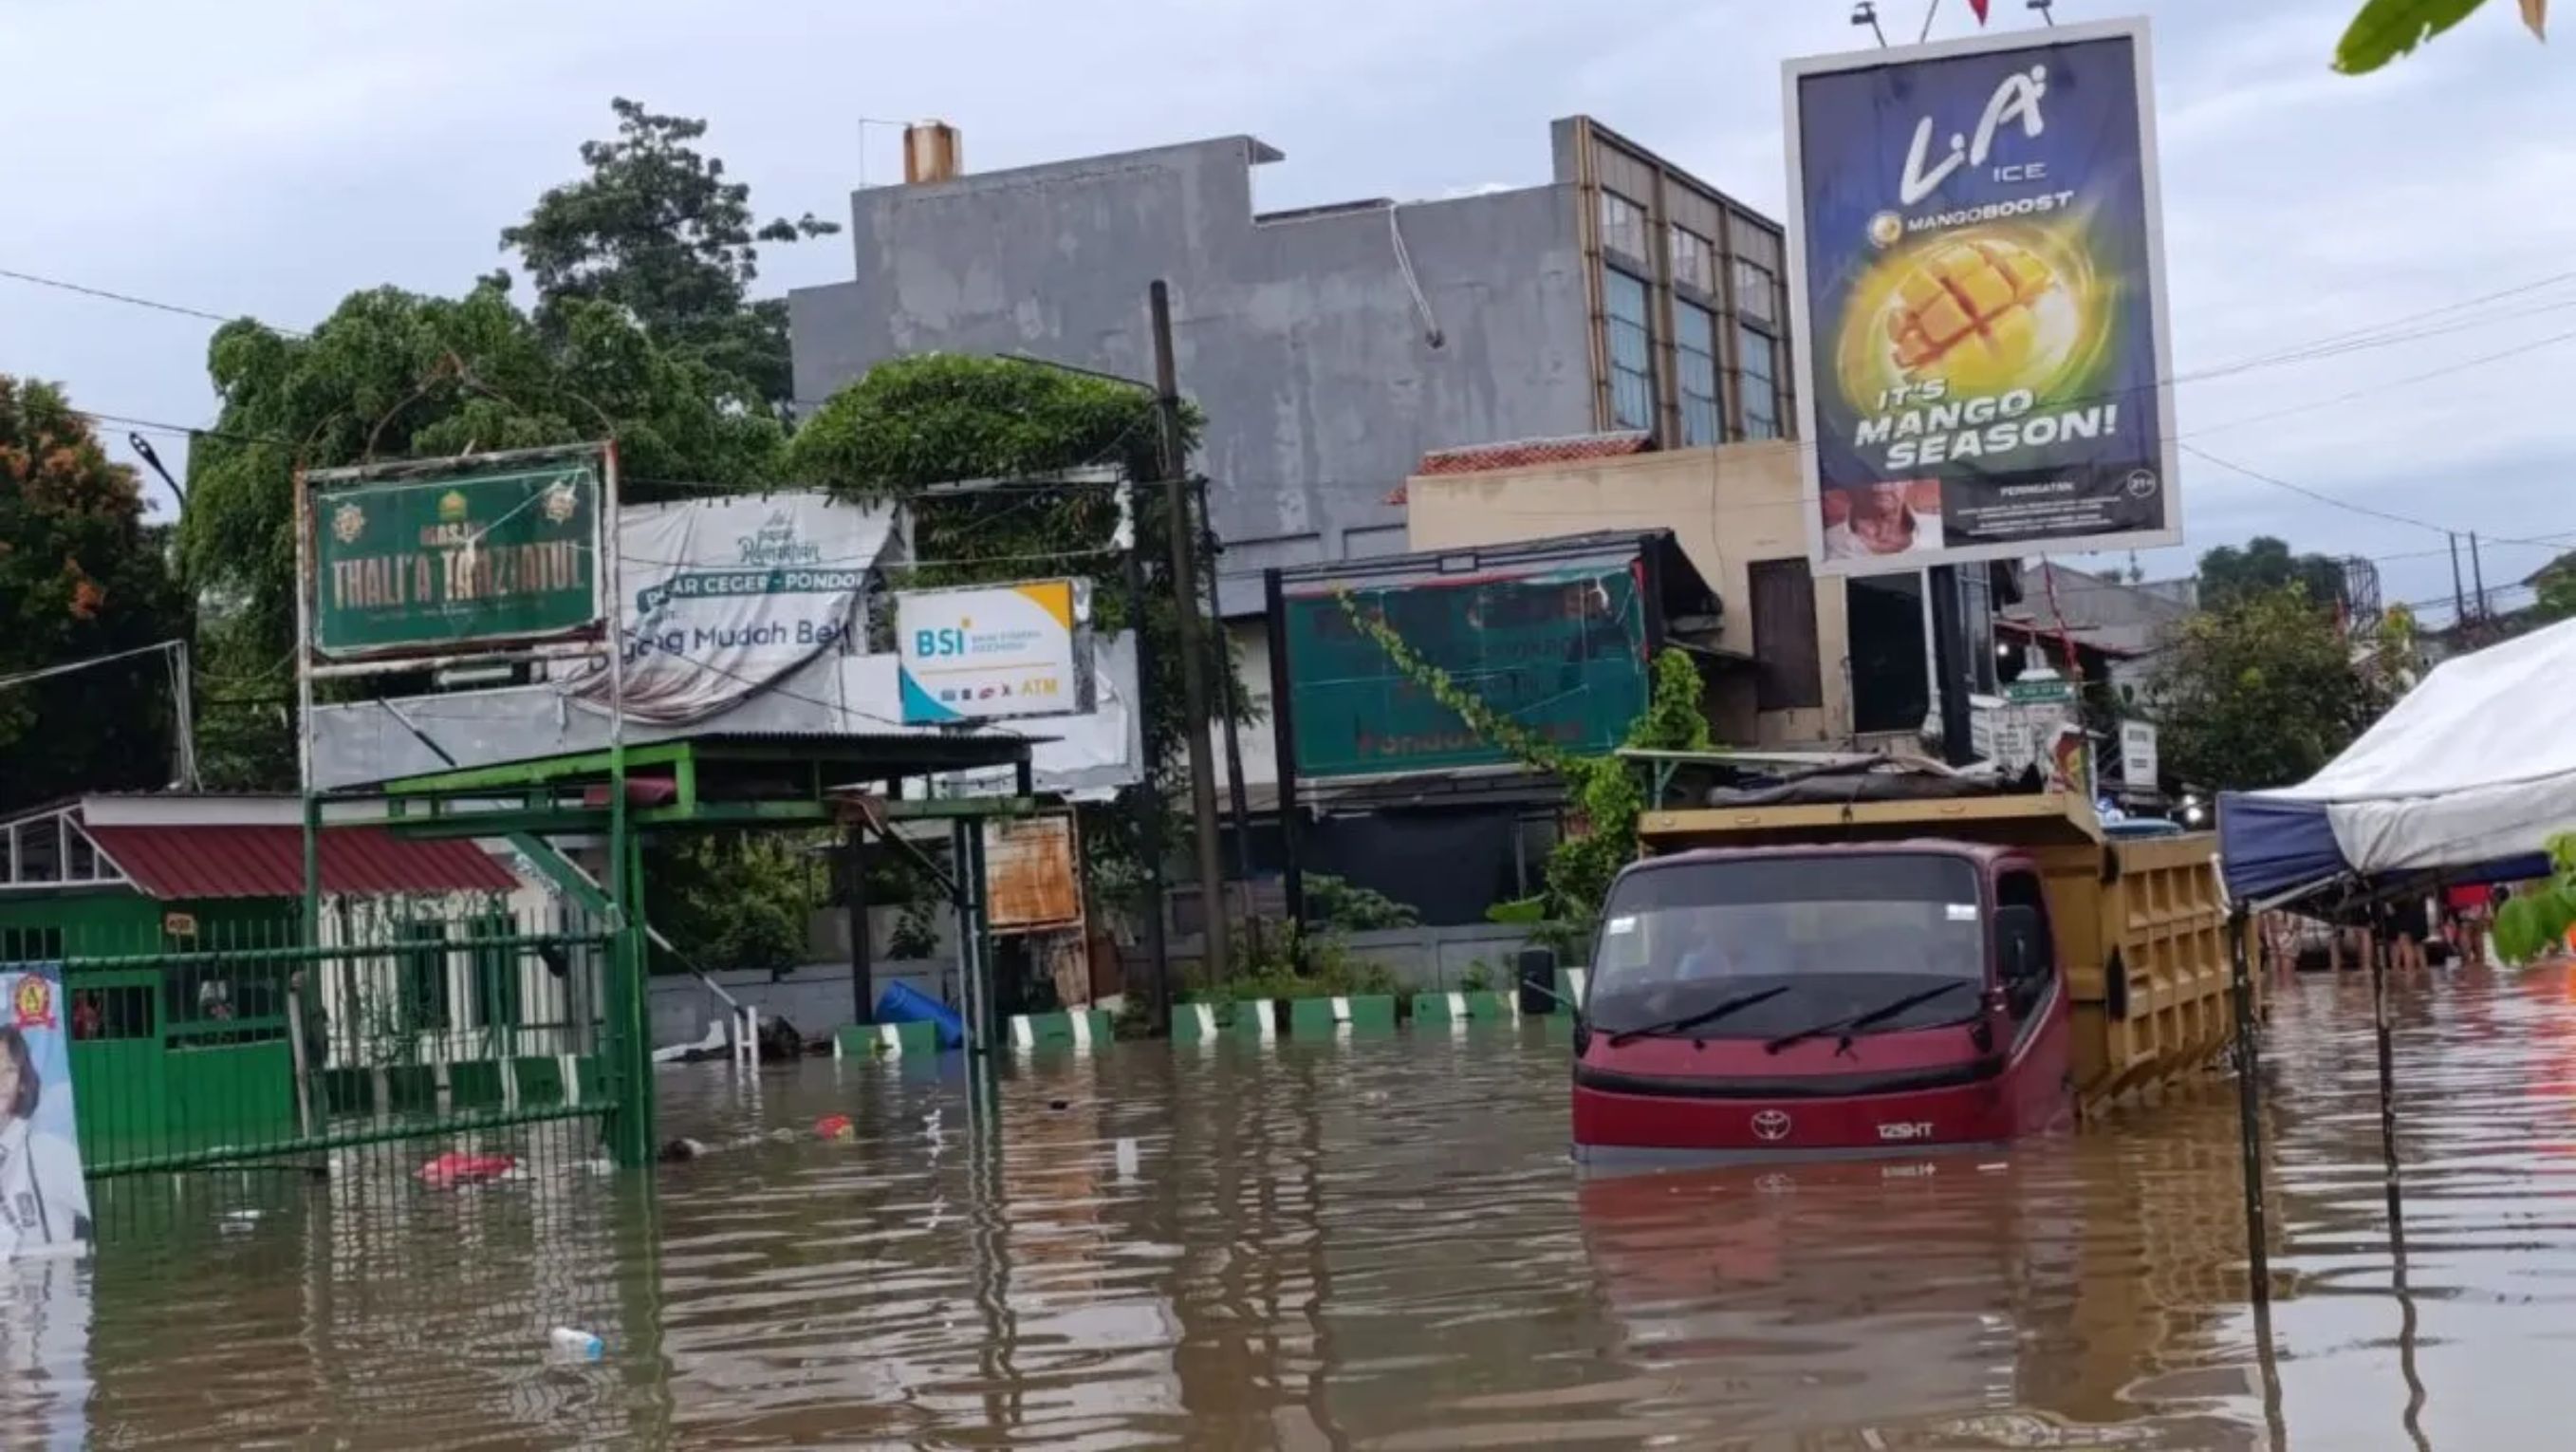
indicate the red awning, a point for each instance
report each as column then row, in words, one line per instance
column 196, row 862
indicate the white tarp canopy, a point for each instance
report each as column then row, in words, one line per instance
column 2468, row 777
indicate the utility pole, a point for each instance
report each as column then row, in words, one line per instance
column 1185, row 597
column 2459, row 595
column 1230, row 695
column 1149, row 798
column 2478, row 575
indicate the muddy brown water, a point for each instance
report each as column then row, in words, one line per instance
column 1376, row 1243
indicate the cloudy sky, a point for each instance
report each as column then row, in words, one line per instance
column 269, row 157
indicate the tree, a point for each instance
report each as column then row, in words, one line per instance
column 2387, row 29
column 912, row 423
column 81, row 575
column 394, row 375
column 2259, row 693
column 728, row 900
column 2229, row 575
column 657, row 230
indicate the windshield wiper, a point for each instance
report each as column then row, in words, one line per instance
column 1705, row 1016
column 1854, row 1024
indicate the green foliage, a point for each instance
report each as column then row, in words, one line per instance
column 2260, row 693
column 728, row 899
column 1603, row 795
column 1293, row 965
column 2230, row 576
column 912, row 423
column 656, row 229
column 1338, row 905
column 1479, row 977
column 2387, row 29
column 80, row 576
column 393, row 375
column 2536, row 918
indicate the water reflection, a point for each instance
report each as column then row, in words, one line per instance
column 1369, row 1244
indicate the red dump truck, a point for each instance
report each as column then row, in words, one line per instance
column 1879, row 976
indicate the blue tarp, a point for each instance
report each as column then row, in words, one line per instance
column 2465, row 780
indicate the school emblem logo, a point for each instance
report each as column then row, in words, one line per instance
column 347, row 523
column 561, row 501
column 451, row 507
column 33, row 1004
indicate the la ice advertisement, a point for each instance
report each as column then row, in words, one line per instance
column 1975, row 232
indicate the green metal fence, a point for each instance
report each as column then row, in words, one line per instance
column 223, row 1039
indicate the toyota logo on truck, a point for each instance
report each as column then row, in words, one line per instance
column 1771, row 1124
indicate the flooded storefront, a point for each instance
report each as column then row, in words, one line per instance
column 1374, row 1243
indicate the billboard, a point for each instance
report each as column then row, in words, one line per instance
column 1032, row 883
column 1976, row 277
column 724, row 597
column 419, row 566
column 1561, row 651
column 44, row 1203
column 989, row 651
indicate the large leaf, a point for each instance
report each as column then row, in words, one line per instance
column 2387, row 29
column 2535, row 13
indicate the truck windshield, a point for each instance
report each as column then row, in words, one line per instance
column 1830, row 926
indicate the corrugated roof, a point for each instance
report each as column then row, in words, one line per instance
column 197, row 862
column 1521, row 453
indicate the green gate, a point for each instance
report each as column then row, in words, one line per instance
column 451, row 1019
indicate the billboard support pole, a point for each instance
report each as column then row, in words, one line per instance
column 1283, row 747
column 1185, row 596
column 312, row 816
column 1949, row 650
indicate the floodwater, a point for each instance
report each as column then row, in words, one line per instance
column 1372, row 1244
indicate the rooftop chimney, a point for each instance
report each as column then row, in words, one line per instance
column 931, row 152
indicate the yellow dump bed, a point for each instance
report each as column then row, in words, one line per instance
column 2140, row 930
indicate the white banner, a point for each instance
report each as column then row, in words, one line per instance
column 44, row 1203
column 2138, row 755
column 990, row 651
column 724, row 596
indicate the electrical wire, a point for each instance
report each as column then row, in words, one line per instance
column 109, row 295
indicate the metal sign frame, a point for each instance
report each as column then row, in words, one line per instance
column 582, row 638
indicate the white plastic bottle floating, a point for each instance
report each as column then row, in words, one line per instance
column 576, row 1345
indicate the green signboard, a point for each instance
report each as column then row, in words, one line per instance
column 418, row 565
column 2046, row 691
column 1563, row 653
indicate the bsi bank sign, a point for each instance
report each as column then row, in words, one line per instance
column 992, row 651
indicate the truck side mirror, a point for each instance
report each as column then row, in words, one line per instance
column 1538, row 983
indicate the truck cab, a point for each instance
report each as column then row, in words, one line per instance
column 1836, row 998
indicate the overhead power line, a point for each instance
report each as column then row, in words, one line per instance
column 130, row 300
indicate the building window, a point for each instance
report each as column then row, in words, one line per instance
column 1623, row 225
column 1757, row 291
column 1694, row 260
column 1632, row 365
column 1784, row 636
column 1695, row 369
column 1759, row 387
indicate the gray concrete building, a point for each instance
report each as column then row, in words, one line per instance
column 1330, row 347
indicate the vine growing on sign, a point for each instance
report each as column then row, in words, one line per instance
column 1603, row 796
